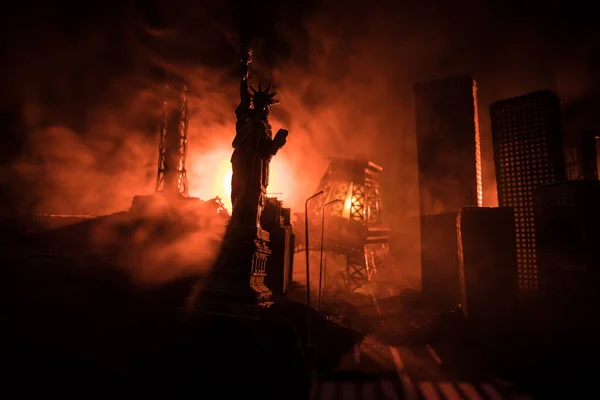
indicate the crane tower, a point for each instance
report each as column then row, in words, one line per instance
column 172, row 150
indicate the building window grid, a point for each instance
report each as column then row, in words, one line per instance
column 524, row 164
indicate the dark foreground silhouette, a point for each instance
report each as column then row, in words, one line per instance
column 85, row 331
column 81, row 334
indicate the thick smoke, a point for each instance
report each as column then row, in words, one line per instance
column 90, row 102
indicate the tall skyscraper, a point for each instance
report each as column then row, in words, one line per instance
column 448, row 145
column 449, row 159
column 528, row 152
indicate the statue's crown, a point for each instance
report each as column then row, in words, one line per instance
column 262, row 97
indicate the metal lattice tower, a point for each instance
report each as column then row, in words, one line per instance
column 356, row 220
column 355, row 182
column 172, row 149
column 528, row 152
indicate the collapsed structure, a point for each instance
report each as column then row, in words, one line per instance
column 356, row 220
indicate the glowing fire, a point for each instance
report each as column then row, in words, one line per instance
column 347, row 202
column 227, row 183
column 209, row 175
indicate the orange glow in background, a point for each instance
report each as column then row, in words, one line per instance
column 210, row 176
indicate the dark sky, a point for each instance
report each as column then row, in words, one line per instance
column 563, row 23
column 505, row 44
column 562, row 20
column 220, row 26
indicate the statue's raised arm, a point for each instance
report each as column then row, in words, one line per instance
column 245, row 59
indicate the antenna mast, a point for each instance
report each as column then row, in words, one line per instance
column 172, row 149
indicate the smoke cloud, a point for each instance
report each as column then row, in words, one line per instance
column 89, row 98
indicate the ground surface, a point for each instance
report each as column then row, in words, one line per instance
column 383, row 366
column 81, row 329
column 414, row 352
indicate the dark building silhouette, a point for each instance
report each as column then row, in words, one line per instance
column 290, row 240
column 469, row 258
column 276, row 220
column 572, row 162
column 448, row 145
column 527, row 139
column 439, row 260
column 568, row 237
column 487, row 269
column 589, row 155
column 581, row 160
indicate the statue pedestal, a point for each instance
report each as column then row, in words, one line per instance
column 235, row 287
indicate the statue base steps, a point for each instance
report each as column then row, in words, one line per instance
column 236, row 286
